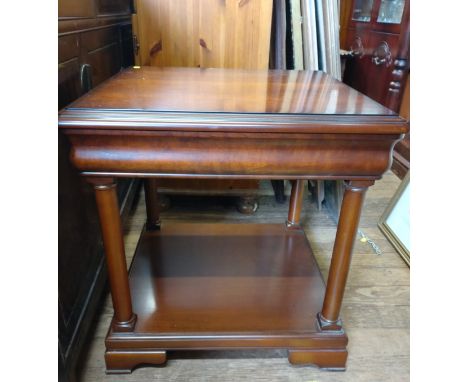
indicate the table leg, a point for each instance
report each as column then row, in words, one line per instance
column 109, row 216
column 353, row 199
column 152, row 205
column 295, row 203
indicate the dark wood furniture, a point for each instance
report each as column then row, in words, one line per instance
column 377, row 33
column 380, row 49
column 218, row 286
column 401, row 153
column 94, row 43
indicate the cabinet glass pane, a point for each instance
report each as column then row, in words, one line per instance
column 362, row 10
column 390, row 11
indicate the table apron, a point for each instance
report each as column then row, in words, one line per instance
column 344, row 156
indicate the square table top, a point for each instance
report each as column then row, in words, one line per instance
column 230, row 123
column 229, row 91
column 233, row 100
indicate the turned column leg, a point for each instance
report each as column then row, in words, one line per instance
column 109, row 216
column 295, row 203
column 152, row 205
column 348, row 223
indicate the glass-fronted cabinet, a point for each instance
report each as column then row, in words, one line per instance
column 362, row 10
column 391, row 11
column 384, row 15
column 374, row 35
column 377, row 39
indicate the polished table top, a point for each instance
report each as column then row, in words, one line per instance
column 229, row 123
column 193, row 99
column 229, row 91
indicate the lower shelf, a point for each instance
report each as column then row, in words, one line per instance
column 225, row 286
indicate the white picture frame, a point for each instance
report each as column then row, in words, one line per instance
column 395, row 221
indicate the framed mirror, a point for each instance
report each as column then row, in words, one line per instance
column 395, row 221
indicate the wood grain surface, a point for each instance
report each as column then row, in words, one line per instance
column 230, row 123
column 208, row 33
column 204, row 33
column 375, row 308
column 229, row 91
column 206, row 281
column 322, row 145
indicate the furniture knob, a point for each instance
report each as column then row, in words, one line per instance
column 394, row 87
column 382, row 55
column 357, row 48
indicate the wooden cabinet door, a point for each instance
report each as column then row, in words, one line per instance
column 383, row 51
column 369, row 71
column 76, row 8
column 203, row 33
column 101, row 50
column 113, row 7
column 389, row 15
column 357, row 41
column 69, row 86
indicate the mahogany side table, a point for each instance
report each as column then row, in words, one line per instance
column 227, row 286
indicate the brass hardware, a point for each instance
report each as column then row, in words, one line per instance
column 136, row 45
column 86, row 78
column 357, row 48
column 382, row 55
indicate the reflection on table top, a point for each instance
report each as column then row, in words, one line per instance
column 229, row 91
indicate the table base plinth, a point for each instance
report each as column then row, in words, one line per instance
column 225, row 286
